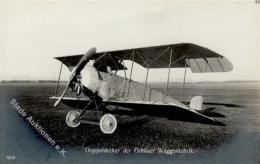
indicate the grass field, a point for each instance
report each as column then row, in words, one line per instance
column 238, row 141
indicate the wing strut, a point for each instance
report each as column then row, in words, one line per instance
column 168, row 78
column 147, row 73
column 125, row 78
column 184, row 80
column 147, row 62
column 58, row 82
column 130, row 78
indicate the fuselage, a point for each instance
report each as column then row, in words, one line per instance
column 110, row 86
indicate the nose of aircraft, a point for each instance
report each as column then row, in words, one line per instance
column 81, row 64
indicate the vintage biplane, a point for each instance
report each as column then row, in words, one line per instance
column 97, row 86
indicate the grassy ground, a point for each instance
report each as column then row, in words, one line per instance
column 149, row 132
column 146, row 131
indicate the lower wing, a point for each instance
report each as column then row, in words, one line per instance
column 139, row 108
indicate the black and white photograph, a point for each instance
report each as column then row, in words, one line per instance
column 117, row 81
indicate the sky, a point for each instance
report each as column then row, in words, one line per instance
column 32, row 33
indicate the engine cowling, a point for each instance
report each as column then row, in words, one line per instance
column 90, row 79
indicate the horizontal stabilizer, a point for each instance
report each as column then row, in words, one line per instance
column 212, row 114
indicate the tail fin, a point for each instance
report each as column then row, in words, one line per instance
column 196, row 102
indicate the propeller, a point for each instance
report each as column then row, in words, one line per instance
column 77, row 69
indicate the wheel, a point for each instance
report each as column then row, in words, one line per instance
column 70, row 117
column 108, row 123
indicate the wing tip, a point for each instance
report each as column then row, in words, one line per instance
column 228, row 65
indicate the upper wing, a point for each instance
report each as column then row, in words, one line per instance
column 139, row 108
column 197, row 58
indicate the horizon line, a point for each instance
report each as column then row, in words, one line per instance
column 152, row 82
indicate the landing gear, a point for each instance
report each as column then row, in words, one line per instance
column 108, row 124
column 71, row 119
